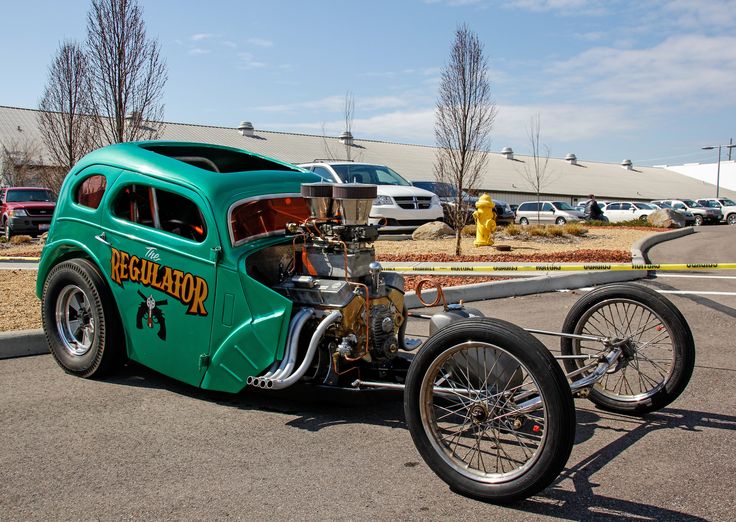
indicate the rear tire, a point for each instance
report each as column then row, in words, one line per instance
column 560, row 221
column 661, row 348
column 467, row 405
column 80, row 319
column 731, row 219
column 523, row 221
column 698, row 220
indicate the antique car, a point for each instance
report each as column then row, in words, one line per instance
column 228, row 270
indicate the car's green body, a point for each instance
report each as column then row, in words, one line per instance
column 239, row 327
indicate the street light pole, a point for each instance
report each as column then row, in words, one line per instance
column 718, row 169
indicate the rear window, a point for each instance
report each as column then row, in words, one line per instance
column 255, row 218
column 90, row 191
column 216, row 159
column 526, row 207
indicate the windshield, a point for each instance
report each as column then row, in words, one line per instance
column 727, row 202
column 561, row 205
column 443, row 190
column 29, row 195
column 692, row 203
column 375, row 174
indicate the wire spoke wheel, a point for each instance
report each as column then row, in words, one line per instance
column 490, row 410
column 658, row 353
column 470, row 400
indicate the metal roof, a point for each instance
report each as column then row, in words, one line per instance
column 416, row 162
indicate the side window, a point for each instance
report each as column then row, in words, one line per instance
column 547, row 207
column 614, row 206
column 625, row 206
column 162, row 210
column 679, row 206
column 90, row 191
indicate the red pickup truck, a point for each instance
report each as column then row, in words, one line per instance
column 26, row 210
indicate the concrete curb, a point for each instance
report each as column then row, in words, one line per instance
column 22, row 342
column 33, row 342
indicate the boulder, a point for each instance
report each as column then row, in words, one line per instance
column 433, row 230
column 666, row 218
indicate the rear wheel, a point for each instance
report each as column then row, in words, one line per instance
column 490, row 410
column 731, row 219
column 523, row 221
column 560, row 221
column 80, row 319
column 659, row 351
column 698, row 220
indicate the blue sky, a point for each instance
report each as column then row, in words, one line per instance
column 649, row 80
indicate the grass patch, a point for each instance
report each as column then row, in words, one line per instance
column 628, row 223
column 514, row 230
column 575, row 229
column 468, row 231
column 19, row 240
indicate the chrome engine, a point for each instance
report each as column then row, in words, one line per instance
column 333, row 269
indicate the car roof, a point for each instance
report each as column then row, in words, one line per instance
column 242, row 172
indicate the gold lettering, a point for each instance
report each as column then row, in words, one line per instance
column 115, row 266
column 178, row 274
column 187, row 289
column 133, row 269
column 200, row 294
column 167, row 281
column 124, row 256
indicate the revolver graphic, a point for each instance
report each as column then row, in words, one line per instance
column 150, row 311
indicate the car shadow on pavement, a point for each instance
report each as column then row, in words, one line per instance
column 316, row 407
column 583, row 503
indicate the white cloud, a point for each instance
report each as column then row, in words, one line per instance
column 248, row 61
column 690, row 69
column 198, row 37
column 260, row 42
column 198, row 51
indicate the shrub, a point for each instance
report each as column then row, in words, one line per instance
column 575, row 229
column 468, row 231
column 17, row 240
column 514, row 230
column 555, row 231
column 537, row 230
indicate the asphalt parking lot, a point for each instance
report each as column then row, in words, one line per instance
column 139, row 445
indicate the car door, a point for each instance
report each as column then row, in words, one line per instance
column 547, row 214
column 613, row 212
column 162, row 255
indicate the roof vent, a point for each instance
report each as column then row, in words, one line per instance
column 627, row 164
column 508, row 152
column 346, row 138
column 134, row 116
column 246, row 128
column 572, row 159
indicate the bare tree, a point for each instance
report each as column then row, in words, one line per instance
column 64, row 119
column 349, row 114
column 127, row 73
column 464, row 119
column 535, row 173
column 19, row 162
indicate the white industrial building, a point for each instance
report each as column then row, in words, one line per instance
column 570, row 179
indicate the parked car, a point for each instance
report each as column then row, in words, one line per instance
column 627, row 210
column 26, row 210
column 399, row 206
column 700, row 213
column 689, row 217
column 448, row 197
column 725, row 205
column 557, row 212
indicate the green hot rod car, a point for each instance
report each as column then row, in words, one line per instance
column 225, row 270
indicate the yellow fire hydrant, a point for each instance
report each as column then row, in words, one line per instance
column 485, row 221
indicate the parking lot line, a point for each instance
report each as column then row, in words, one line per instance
column 696, row 276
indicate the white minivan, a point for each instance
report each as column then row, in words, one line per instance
column 399, row 206
column 558, row 212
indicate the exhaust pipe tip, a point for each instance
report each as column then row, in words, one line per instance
column 269, row 384
column 261, row 383
column 249, row 381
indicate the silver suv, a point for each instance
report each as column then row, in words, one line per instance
column 725, row 205
column 700, row 213
column 399, row 207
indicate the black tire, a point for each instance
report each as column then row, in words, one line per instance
column 642, row 218
column 523, row 221
column 526, row 451
column 731, row 219
column 7, row 232
column 698, row 220
column 80, row 320
column 560, row 221
column 661, row 349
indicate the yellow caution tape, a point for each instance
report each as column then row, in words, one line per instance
column 19, row 258
column 563, row 268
